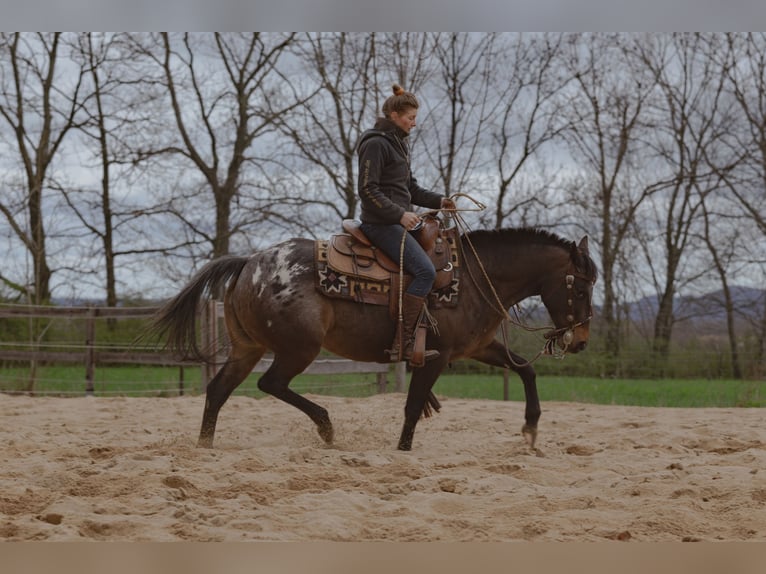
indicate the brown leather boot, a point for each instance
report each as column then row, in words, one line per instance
column 412, row 307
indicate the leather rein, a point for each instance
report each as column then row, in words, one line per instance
column 566, row 333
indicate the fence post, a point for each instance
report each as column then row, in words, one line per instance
column 382, row 379
column 209, row 341
column 205, row 321
column 401, row 376
column 90, row 352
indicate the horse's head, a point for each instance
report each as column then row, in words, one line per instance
column 568, row 300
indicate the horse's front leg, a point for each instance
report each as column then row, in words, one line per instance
column 532, row 409
column 497, row 355
column 421, row 382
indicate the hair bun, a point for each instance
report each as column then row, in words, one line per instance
column 399, row 102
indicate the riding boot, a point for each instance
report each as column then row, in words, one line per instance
column 412, row 308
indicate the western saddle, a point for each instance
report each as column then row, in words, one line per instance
column 349, row 265
column 362, row 253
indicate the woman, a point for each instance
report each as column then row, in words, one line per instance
column 387, row 189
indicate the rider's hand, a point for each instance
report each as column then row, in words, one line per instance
column 447, row 203
column 409, row 220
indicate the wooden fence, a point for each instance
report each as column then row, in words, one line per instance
column 89, row 354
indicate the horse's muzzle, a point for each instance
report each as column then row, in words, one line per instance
column 565, row 339
column 577, row 347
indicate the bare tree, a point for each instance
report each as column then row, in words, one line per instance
column 746, row 75
column 224, row 94
column 39, row 104
column 325, row 130
column 607, row 123
column 460, row 104
column 745, row 65
column 723, row 251
column 111, row 111
column 689, row 124
column 404, row 57
column 352, row 74
column 529, row 118
column 93, row 51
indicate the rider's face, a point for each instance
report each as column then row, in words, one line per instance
column 405, row 119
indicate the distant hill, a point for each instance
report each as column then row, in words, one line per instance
column 747, row 301
column 703, row 314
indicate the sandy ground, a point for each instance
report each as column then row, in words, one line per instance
column 127, row 469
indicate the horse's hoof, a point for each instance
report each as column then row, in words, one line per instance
column 405, row 446
column 530, row 435
column 326, row 432
column 205, row 443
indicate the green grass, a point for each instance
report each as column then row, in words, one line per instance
column 650, row 393
column 160, row 381
column 127, row 380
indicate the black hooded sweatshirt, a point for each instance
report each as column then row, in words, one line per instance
column 386, row 185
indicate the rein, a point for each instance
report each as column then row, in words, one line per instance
column 552, row 333
column 549, row 348
column 458, row 219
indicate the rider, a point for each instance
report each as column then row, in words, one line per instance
column 387, row 190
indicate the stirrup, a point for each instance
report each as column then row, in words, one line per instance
column 420, row 359
column 415, row 351
column 393, row 355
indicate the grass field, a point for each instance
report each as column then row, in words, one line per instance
column 160, row 381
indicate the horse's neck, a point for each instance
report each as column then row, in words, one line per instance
column 517, row 271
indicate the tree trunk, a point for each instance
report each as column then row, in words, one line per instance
column 663, row 327
column 736, row 369
column 42, row 273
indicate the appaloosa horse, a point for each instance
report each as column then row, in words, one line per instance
column 272, row 304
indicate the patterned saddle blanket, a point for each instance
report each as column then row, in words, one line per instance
column 348, row 266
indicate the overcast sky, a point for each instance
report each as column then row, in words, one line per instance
column 391, row 15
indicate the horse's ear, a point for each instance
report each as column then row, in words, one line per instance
column 580, row 253
column 580, row 250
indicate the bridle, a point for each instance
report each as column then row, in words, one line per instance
column 566, row 333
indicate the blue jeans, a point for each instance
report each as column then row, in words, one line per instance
column 388, row 238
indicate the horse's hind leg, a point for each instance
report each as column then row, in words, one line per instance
column 238, row 366
column 275, row 382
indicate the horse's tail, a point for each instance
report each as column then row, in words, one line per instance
column 176, row 320
column 432, row 404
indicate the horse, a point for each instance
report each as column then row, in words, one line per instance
column 271, row 303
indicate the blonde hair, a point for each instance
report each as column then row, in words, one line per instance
column 399, row 102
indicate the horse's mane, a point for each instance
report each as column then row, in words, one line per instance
column 520, row 235
column 530, row 235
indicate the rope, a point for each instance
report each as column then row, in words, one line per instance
column 400, row 324
column 497, row 305
column 430, row 319
column 464, row 229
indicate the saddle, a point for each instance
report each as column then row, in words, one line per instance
column 350, row 266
